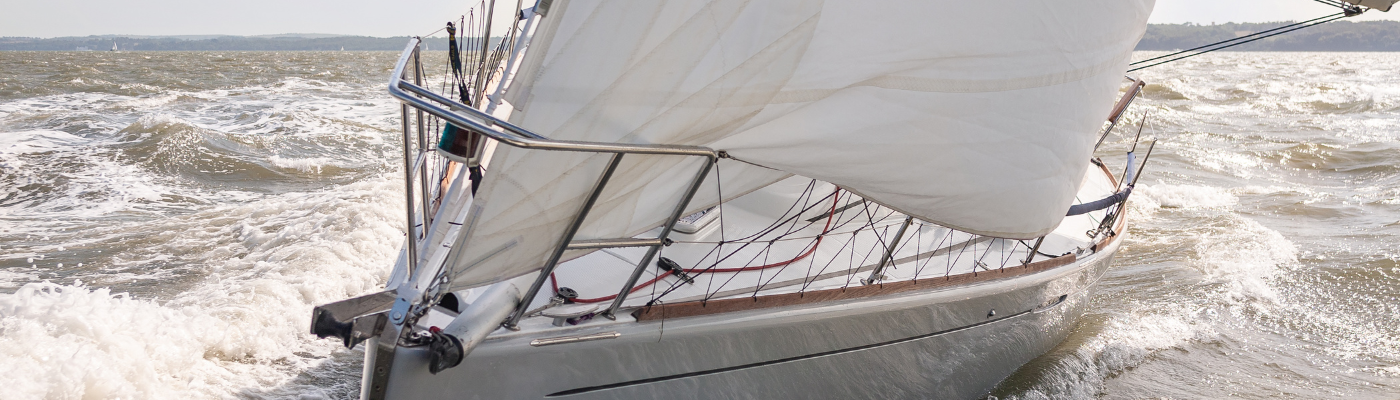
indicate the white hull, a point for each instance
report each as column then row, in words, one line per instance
column 940, row 333
column 952, row 334
column 938, row 343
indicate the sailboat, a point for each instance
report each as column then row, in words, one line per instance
column 114, row 45
column 735, row 199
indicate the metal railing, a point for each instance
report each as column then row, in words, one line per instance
column 424, row 101
column 1121, row 107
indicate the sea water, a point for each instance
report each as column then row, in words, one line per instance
column 169, row 219
column 1263, row 258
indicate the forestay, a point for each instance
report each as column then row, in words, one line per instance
column 976, row 116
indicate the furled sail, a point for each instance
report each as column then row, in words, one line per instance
column 976, row 116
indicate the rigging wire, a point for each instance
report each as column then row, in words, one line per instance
column 720, row 191
column 810, row 249
column 919, row 269
column 762, row 283
column 1241, row 40
column 848, row 243
column 869, row 224
column 433, row 32
column 710, row 289
column 1229, row 40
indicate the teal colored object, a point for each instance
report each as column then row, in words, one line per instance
column 456, row 143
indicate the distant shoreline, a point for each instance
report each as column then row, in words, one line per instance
column 1336, row 36
column 220, row 43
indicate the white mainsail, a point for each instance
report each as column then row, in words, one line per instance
column 977, row 116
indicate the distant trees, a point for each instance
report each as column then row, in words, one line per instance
column 223, row 43
column 1332, row 36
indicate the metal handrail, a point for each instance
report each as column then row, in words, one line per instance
column 510, row 134
column 466, row 117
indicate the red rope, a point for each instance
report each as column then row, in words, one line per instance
column 829, row 216
column 607, row 298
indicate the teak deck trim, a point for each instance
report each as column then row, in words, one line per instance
column 695, row 308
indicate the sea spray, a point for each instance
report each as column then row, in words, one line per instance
column 243, row 325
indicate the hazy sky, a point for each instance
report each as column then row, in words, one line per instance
column 51, row 18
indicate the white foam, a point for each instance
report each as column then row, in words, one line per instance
column 1243, row 255
column 1229, row 276
column 86, row 174
column 242, row 329
column 23, row 142
column 14, row 144
column 1238, row 259
column 312, row 164
column 73, row 342
column 83, row 173
column 1274, row 189
column 1377, row 194
column 12, row 278
column 1216, row 159
column 149, row 101
column 1185, row 196
column 1126, row 341
column 243, row 267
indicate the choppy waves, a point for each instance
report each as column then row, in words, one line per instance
column 166, row 231
column 235, row 318
column 1261, row 261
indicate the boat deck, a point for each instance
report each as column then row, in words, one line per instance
column 852, row 244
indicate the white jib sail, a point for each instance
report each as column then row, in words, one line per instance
column 976, row 116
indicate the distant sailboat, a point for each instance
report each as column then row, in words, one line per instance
column 114, row 45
